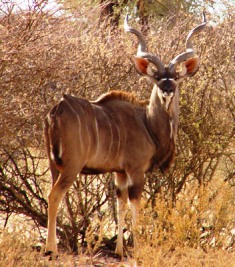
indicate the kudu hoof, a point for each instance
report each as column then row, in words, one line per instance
column 51, row 255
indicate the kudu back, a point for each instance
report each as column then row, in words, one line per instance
column 117, row 133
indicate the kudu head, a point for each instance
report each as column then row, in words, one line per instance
column 166, row 77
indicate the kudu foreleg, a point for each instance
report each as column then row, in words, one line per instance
column 122, row 197
column 134, row 194
column 122, row 203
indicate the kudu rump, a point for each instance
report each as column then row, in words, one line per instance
column 117, row 133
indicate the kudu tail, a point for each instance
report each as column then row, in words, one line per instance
column 53, row 138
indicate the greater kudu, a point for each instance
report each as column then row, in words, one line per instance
column 117, row 133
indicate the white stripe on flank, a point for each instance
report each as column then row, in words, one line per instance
column 111, row 131
column 89, row 139
column 79, row 122
column 171, row 126
column 97, row 137
column 119, row 141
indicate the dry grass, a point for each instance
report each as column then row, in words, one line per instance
column 167, row 236
column 15, row 251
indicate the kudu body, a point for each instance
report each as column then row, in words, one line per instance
column 117, row 133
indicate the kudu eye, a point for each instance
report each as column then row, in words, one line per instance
column 157, row 76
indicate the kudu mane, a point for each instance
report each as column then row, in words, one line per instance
column 121, row 95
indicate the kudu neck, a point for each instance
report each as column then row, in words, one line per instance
column 163, row 116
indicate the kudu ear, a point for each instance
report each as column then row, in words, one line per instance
column 189, row 67
column 142, row 66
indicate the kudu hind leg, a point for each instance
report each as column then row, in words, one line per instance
column 122, row 196
column 58, row 191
